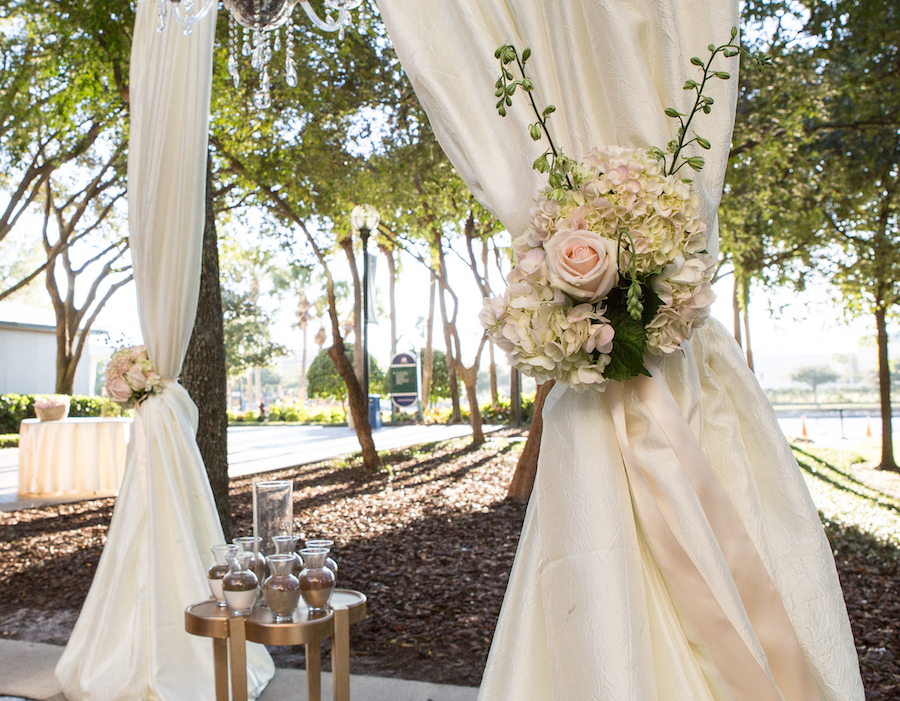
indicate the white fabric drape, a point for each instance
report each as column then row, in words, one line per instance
column 589, row 614
column 129, row 642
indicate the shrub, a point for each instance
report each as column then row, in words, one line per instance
column 9, row 440
column 15, row 408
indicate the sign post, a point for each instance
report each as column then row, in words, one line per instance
column 404, row 380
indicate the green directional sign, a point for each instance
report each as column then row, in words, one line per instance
column 404, row 381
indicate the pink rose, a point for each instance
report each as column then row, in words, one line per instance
column 582, row 264
column 118, row 390
column 136, row 378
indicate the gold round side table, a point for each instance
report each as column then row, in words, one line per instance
column 211, row 621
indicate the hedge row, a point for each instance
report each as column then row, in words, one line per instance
column 15, row 408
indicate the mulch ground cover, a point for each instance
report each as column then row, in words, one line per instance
column 431, row 541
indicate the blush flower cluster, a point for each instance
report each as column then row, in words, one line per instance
column 130, row 377
column 624, row 229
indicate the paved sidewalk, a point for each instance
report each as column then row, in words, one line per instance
column 257, row 448
column 26, row 671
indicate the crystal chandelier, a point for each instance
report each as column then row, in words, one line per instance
column 259, row 21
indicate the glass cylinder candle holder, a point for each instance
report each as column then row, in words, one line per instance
column 273, row 512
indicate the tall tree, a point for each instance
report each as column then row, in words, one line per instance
column 203, row 373
column 859, row 56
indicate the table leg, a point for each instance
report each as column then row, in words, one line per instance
column 340, row 655
column 313, row 672
column 238, row 637
column 220, row 662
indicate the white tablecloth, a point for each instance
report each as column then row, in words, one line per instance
column 72, row 456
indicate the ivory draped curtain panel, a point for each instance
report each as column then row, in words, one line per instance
column 129, row 641
column 670, row 551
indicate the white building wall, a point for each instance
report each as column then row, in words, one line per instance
column 28, row 361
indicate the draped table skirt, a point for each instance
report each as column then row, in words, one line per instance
column 75, row 457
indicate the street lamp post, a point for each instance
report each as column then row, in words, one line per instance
column 364, row 218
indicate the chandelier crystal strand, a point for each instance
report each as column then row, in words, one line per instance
column 188, row 17
column 163, row 9
column 245, row 50
column 290, row 68
column 276, row 47
column 261, row 98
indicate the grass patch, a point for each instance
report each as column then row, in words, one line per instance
column 843, row 497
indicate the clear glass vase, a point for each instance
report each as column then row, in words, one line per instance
column 273, row 512
column 282, row 588
column 287, row 545
column 240, row 586
column 326, row 545
column 217, row 572
column 250, row 544
column 316, row 580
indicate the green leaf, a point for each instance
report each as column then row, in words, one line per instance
column 626, row 359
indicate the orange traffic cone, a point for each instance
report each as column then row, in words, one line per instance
column 868, row 427
column 803, row 427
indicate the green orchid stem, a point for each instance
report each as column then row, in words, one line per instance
column 696, row 108
column 634, row 281
column 541, row 120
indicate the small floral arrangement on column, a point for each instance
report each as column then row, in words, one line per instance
column 614, row 263
column 130, row 377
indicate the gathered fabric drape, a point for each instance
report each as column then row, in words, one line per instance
column 670, row 550
column 129, row 641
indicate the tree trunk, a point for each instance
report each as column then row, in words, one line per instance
column 884, row 386
column 470, row 380
column 736, row 311
column 745, row 305
column 453, row 381
column 526, row 469
column 359, row 405
column 428, row 360
column 304, row 325
column 203, row 374
column 492, row 370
